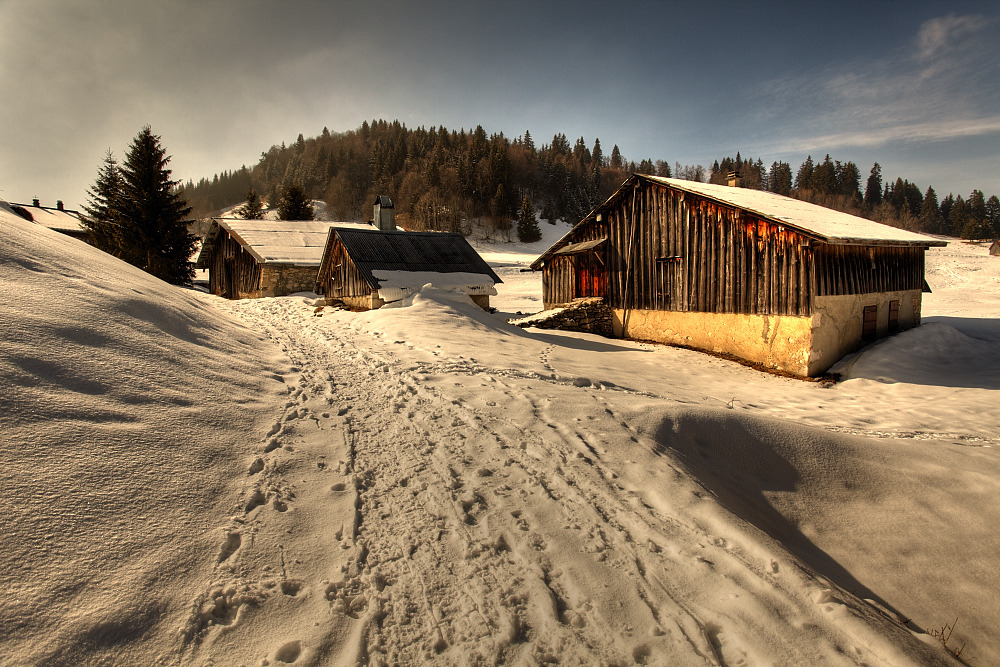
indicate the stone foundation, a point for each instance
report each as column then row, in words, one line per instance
column 588, row 315
column 278, row 280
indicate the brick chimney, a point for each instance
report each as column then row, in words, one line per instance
column 59, row 205
column 36, row 203
column 385, row 214
column 734, row 179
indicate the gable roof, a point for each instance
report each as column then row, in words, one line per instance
column 814, row 221
column 437, row 252
column 296, row 242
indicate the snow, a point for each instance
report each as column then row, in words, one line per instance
column 394, row 285
column 189, row 480
column 829, row 224
column 298, row 242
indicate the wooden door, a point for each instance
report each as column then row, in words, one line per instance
column 591, row 278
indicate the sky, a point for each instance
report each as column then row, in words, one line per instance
column 914, row 87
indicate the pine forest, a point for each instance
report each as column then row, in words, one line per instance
column 450, row 180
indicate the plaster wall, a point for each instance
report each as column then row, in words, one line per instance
column 781, row 342
column 837, row 323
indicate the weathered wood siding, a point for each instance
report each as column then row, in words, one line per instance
column 865, row 269
column 232, row 272
column 559, row 274
column 338, row 277
column 687, row 253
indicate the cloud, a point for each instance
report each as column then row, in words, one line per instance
column 944, row 83
column 941, row 34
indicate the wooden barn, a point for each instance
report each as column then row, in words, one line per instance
column 766, row 278
column 365, row 269
column 259, row 258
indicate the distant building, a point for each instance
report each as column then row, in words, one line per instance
column 766, row 278
column 60, row 219
column 261, row 258
column 365, row 269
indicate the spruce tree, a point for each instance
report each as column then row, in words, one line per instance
column 253, row 209
column 803, row 179
column 527, row 223
column 103, row 217
column 153, row 213
column 293, row 204
column 873, row 188
column 930, row 212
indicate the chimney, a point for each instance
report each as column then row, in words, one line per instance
column 734, row 179
column 385, row 214
column 59, row 205
column 36, row 203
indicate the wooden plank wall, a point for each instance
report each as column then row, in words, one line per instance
column 339, row 276
column 558, row 275
column 691, row 254
column 232, row 270
column 865, row 269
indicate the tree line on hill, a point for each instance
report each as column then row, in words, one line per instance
column 452, row 180
column 899, row 203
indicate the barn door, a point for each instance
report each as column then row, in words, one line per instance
column 591, row 278
column 869, row 323
column 229, row 280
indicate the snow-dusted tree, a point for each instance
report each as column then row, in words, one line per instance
column 294, row 205
column 527, row 223
column 253, row 209
column 156, row 236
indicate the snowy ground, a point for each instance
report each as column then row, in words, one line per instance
column 196, row 481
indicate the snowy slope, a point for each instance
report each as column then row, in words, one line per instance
column 126, row 416
column 432, row 484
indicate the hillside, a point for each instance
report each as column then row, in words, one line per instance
column 197, row 481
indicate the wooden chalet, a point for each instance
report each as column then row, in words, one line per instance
column 766, row 278
column 365, row 269
column 260, row 258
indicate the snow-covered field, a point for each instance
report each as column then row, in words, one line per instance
column 188, row 480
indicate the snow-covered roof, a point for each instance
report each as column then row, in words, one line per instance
column 61, row 220
column 818, row 222
column 829, row 225
column 296, row 242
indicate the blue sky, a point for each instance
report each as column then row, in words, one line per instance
column 914, row 86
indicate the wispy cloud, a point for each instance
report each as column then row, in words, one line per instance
column 944, row 84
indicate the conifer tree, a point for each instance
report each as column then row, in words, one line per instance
column 527, row 223
column 930, row 212
column 253, row 209
column 803, row 178
column 153, row 213
column 293, row 204
column 616, row 158
column 135, row 212
column 103, row 217
column 873, row 188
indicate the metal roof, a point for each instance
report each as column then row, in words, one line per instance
column 439, row 252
